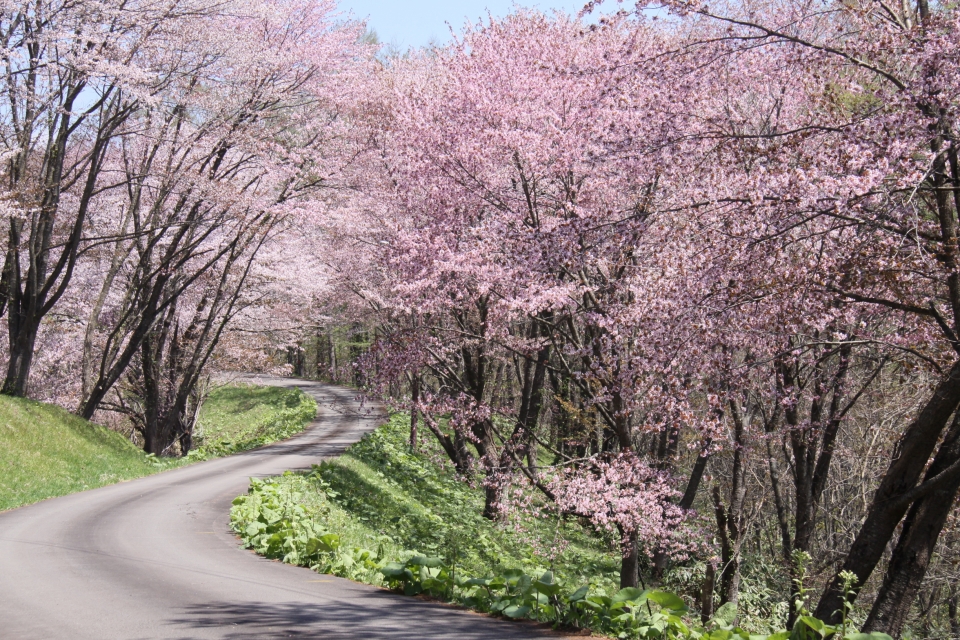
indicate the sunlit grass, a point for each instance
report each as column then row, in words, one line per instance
column 241, row 417
column 380, row 496
column 46, row 451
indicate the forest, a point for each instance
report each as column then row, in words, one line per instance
column 686, row 274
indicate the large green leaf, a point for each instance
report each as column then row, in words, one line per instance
column 270, row 516
column 516, row 611
column 424, row 561
column 667, row 600
column 875, row 635
column 603, row 601
column 397, row 571
column 513, row 577
column 630, row 594
column 579, row 594
column 324, row 544
column 477, row 582
column 813, row 624
column 547, row 585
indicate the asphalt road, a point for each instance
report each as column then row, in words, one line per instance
column 154, row 558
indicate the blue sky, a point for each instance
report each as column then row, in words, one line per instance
column 413, row 23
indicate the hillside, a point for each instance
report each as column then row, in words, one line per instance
column 46, row 451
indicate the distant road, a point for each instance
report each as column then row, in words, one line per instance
column 155, row 558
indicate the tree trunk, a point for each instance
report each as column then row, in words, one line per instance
column 414, row 409
column 729, row 560
column 152, row 438
column 332, row 351
column 786, row 544
column 918, row 539
column 523, row 437
column 706, row 593
column 23, row 338
column 630, row 563
column 953, row 612
column 120, row 253
column 148, row 313
column 907, row 464
column 660, row 558
column 730, row 520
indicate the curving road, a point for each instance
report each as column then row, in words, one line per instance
column 154, row 558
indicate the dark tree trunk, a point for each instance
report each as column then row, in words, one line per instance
column 729, row 556
column 730, row 518
column 414, row 409
column 693, row 483
column 22, row 339
column 148, row 312
column 332, row 351
column 493, row 468
column 885, row 512
column 630, row 563
column 953, row 612
column 523, row 438
column 786, row 544
column 153, row 438
column 706, row 593
column 660, row 558
column 31, row 296
column 918, row 539
column 455, row 447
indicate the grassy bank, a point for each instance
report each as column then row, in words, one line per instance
column 380, row 497
column 383, row 515
column 46, row 451
column 237, row 418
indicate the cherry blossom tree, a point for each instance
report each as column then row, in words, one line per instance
column 76, row 73
column 867, row 171
column 196, row 144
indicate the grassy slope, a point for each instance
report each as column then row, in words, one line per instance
column 422, row 506
column 380, row 497
column 240, row 417
column 378, row 504
column 46, row 451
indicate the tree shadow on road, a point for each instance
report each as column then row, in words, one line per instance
column 376, row 615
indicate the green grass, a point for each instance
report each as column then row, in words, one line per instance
column 240, row 417
column 381, row 498
column 46, row 451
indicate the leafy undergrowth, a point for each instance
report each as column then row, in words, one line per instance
column 46, row 451
column 382, row 515
column 380, row 497
column 237, row 418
